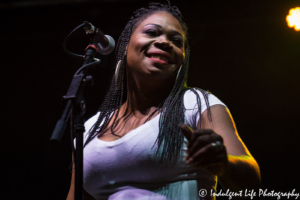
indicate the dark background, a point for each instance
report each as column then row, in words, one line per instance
column 242, row 51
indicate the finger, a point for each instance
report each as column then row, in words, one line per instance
column 187, row 131
column 198, row 133
column 208, row 154
column 199, row 143
column 201, row 138
column 201, row 155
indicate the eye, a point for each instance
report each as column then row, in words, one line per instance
column 151, row 32
column 177, row 41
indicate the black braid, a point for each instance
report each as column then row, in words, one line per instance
column 170, row 138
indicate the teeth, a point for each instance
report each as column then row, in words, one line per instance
column 159, row 57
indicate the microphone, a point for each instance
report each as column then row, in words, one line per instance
column 105, row 43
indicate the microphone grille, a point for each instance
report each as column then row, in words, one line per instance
column 110, row 47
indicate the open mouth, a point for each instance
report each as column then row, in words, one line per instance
column 159, row 57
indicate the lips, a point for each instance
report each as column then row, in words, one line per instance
column 160, row 57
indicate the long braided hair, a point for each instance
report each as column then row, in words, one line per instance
column 170, row 138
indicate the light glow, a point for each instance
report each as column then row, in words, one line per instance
column 293, row 19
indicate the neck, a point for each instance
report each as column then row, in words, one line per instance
column 143, row 97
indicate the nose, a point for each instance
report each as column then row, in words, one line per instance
column 163, row 43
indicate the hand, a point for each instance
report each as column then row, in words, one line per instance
column 206, row 150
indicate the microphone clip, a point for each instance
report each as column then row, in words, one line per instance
column 89, row 28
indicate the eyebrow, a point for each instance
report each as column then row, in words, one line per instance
column 159, row 26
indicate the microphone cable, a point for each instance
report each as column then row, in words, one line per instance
column 67, row 38
column 97, row 61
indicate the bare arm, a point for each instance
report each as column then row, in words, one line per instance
column 230, row 160
column 71, row 194
column 242, row 171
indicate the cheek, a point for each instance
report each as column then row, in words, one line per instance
column 180, row 56
column 134, row 48
column 135, row 51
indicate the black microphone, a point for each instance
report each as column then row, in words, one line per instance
column 105, row 43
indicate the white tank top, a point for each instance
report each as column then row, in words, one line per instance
column 129, row 169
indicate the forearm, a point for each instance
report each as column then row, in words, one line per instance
column 72, row 186
column 242, row 173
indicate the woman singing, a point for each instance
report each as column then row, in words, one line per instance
column 153, row 137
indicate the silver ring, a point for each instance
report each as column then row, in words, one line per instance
column 217, row 145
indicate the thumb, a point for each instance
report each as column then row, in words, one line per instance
column 187, row 131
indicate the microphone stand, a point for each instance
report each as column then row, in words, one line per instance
column 75, row 107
